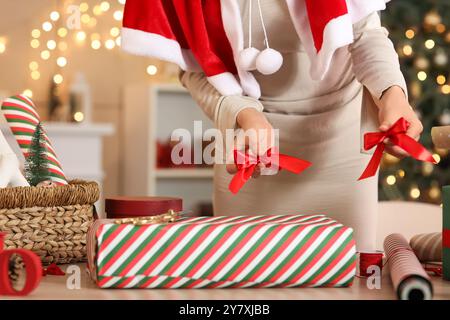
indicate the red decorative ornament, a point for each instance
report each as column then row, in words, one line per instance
column 33, row 267
column 247, row 163
column 53, row 270
column 397, row 135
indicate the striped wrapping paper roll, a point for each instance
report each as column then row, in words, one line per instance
column 223, row 252
column 427, row 246
column 23, row 118
column 410, row 280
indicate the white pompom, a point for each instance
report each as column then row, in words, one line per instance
column 269, row 61
column 247, row 58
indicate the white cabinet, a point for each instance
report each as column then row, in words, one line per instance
column 151, row 113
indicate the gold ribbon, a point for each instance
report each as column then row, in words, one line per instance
column 168, row 217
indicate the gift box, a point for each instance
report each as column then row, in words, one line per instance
column 128, row 207
column 446, row 232
column 222, row 252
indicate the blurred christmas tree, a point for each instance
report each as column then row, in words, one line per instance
column 420, row 31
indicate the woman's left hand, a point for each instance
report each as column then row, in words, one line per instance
column 392, row 106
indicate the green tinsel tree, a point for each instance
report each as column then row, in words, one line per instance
column 36, row 165
column 420, row 31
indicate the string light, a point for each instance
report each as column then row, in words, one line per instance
column 92, row 22
column 61, row 61
column 110, row 44
column 429, row 44
column 54, row 16
column 427, row 168
column 96, row 44
column 78, row 116
column 58, row 79
column 97, row 10
column 45, row 55
column 105, row 6
column 114, row 32
column 410, row 33
column 440, row 79
column 33, row 65
column 85, row 18
column 401, row 173
column 84, row 7
column 36, row 33
column 414, row 193
column 437, row 157
column 81, row 36
column 51, row 44
column 422, row 75
column 35, row 75
column 445, row 89
column 407, row 50
column 435, row 192
column 440, row 28
column 34, row 43
column 391, row 180
column 62, row 32
column 2, row 46
column 28, row 93
column 118, row 15
column 47, row 26
column 152, row 70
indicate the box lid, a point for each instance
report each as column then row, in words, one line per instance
column 125, row 207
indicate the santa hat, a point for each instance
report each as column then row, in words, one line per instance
column 208, row 35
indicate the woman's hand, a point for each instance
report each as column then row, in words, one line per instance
column 258, row 136
column 392, row 106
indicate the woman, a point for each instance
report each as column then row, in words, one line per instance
column 318, row 120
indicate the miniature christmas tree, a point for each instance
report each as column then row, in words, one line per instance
column 36, row 165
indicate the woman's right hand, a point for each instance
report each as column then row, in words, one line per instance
column 259, row 137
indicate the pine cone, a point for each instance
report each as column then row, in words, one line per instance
column 16, row 265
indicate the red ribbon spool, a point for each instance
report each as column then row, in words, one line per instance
column 368, row 259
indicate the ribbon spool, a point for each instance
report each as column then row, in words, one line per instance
column 368, row 259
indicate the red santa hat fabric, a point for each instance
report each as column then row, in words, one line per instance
column 207, row 36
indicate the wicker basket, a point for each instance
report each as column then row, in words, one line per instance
column 52, row 222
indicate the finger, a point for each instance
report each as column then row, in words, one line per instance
column 230, row 165
column 396, row 151
column 231, row 168
column 414, row 130
column 385, row 126
column 256, row 172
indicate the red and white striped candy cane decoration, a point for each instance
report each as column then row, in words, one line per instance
column 23, row 119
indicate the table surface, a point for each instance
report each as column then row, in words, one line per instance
column 54, row 288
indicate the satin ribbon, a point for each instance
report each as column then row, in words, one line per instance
column 446, row 238
column 246, row 165
column 397, row 135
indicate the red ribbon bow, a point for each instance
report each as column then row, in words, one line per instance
column 246, row 169
column 397, row 135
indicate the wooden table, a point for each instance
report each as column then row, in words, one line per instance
column 54, row 287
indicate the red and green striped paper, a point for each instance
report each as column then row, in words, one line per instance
column 23, row 118
column 223, row 252
column 446, row 232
